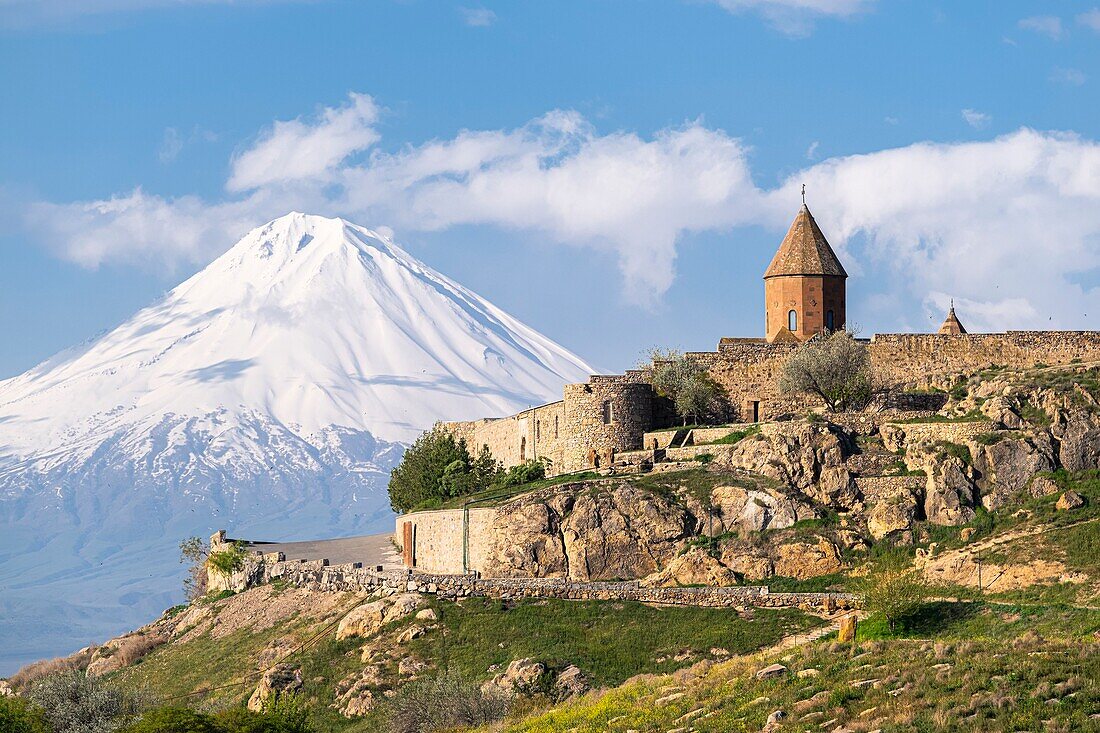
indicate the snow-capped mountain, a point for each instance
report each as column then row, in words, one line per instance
column 271, row 394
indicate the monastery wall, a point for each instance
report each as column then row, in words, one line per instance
column 901, row 358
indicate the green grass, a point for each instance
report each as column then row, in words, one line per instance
column 1006, row 679
column 736, row 436
column 609, row 641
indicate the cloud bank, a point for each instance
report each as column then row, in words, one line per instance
column 1010, row 227
column 797, row 17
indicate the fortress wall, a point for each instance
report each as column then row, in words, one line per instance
column 532, row 433
column 897, row 435
column 437, row 539
column 900, row 358
column 590, row 437
column 749, row 372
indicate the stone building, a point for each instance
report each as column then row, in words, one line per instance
column 804, row 291
column 803, row 285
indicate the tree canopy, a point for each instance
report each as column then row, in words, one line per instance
column 437, row 466
column 686, row 381
column 835, row 368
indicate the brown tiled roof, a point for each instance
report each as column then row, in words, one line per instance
column 952, row 324
column 805, row 251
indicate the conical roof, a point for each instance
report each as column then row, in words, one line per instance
column 805, row 251
column 952, row 324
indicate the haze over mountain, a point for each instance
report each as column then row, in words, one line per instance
column 270, row 394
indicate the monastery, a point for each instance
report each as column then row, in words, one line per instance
column 605, row 420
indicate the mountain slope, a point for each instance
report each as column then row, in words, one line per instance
column 270, row 393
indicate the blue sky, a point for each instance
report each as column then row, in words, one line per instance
column 615, row 173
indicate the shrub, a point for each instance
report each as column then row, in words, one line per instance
column 837, row 369
column 442, row 703
column 893, row 590
column 283, row 715
column 686, row 382
column 226, row 562
column 526, row 472
column 74, row 703
column 436, row 467
column 134, row 648
column 19, row 716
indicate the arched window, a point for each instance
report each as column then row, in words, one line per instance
column 792, row 320
column 829, row 320
column 523, row 449
column 607, row 413
column 538, row 430
column 555, row 427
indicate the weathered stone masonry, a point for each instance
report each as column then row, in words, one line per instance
column 352, row 578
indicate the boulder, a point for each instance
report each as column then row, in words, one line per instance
column 525, row 539
column 1043, row 486
column 1069, row 501
column 893, row 513
column 1007, row 466
column 570, row 682
column 1003, row 411
column 281, row 679
column 847, row 630
column 627, row 533
column 694, row 567
column 949, row 492
column 427, row 614
column 522, row 676
column 362, row 620
column 366, row 619
column 794, row 453
column 749, row 562
column 1078, row 436
column 771, row 671
column 807, row 559
column 757, row 509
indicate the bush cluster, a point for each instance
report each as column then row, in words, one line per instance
column 437, row 466
column 71, row 702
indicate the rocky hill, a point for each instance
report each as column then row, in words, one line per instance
column 994, row 501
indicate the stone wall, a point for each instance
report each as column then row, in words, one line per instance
column 906, row 358
column 446, row 540
column 897, row 436
column 352, row 578
column 574, row 434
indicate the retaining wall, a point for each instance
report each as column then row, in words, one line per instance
column 363, row 580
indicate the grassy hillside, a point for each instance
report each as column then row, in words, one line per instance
column 961, row 666
column 609, row 641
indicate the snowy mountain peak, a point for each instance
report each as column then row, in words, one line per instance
column 270, row 394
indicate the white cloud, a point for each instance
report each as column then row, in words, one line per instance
column 477, row 17
column 1068, row 77
column 796, row 17
column 1090, row 19
column 295, row 149
column 811, row 152
column 977, row 120
column 1009, row 227
column 1047, row 25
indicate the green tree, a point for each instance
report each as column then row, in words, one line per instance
column 435, row 467
column 686, row 381
column 835, row 368
column 19, row 716
column 894, row 590
column 193, row 552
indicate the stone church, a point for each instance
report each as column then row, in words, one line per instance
column 597, row 422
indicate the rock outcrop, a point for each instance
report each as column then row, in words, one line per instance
column 282, row 679
column 366, row 619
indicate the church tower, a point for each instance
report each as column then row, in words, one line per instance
column 803, row 285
